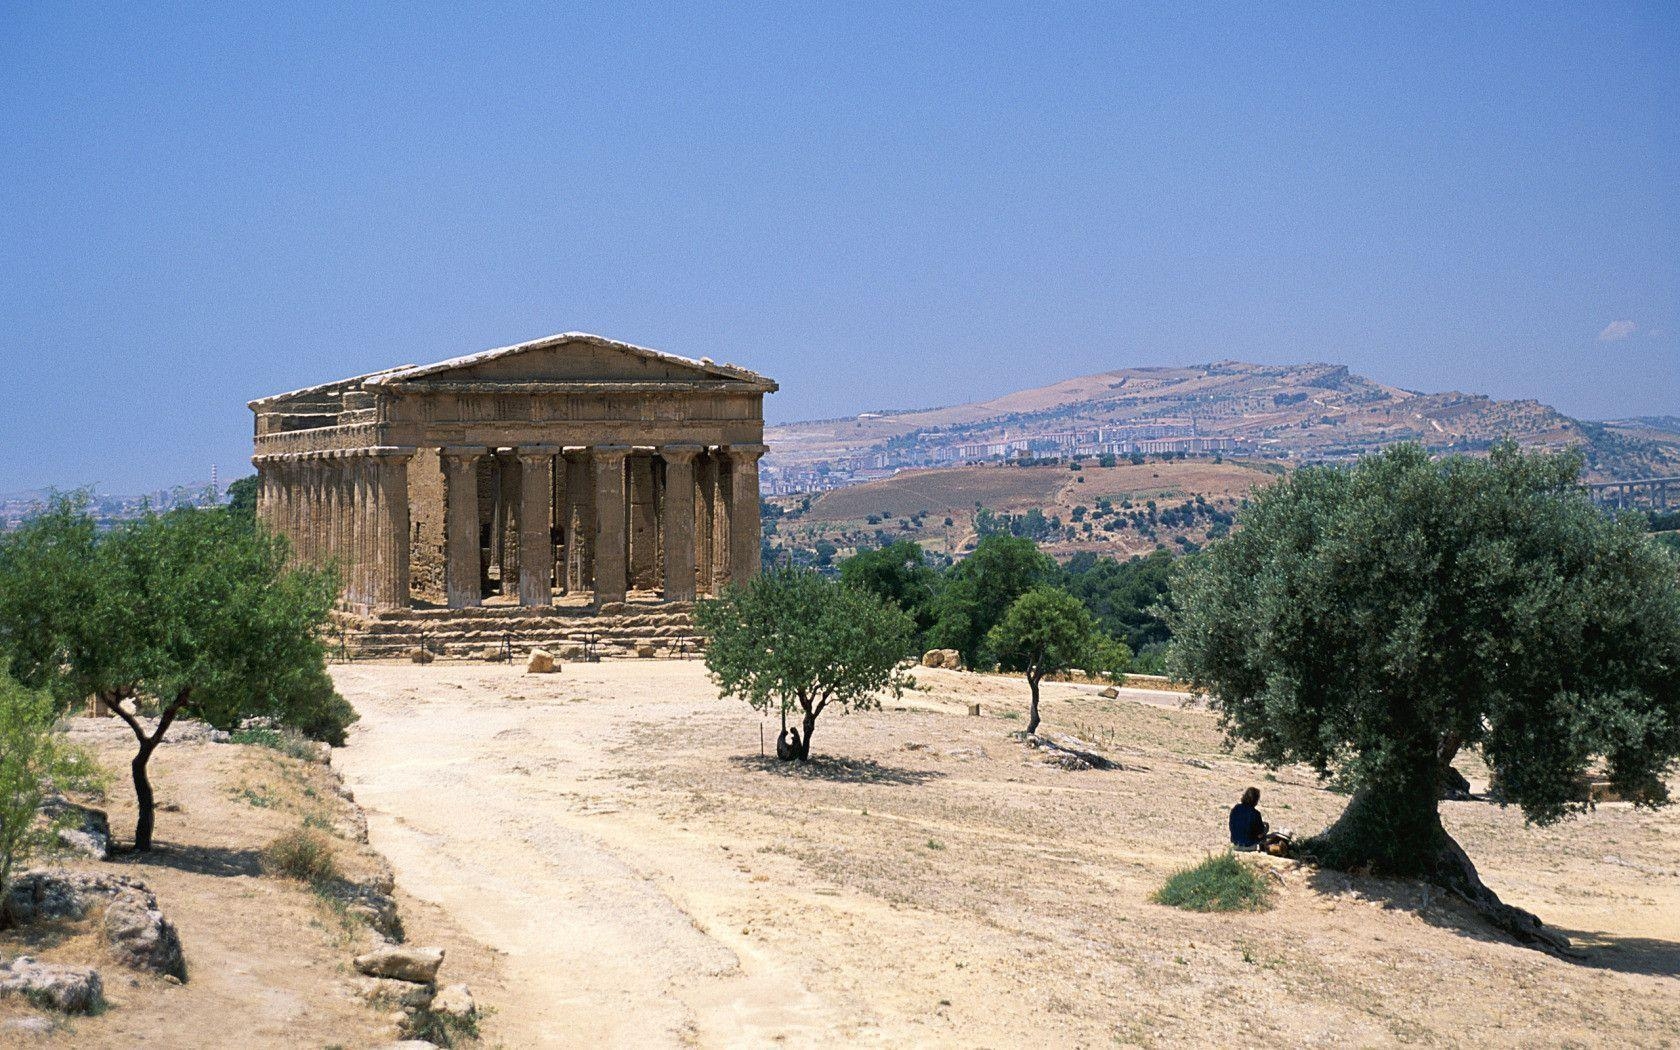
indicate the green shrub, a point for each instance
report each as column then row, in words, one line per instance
column 1219, row 883
column 304, row 854
column 287, row 741
column 33, row 758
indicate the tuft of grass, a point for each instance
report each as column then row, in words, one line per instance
column 1219, row 883
column 259, row 796
column 288, row 742
column 304, row 854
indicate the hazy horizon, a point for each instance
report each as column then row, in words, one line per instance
column 879, row 207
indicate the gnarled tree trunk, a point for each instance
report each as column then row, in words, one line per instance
column 1392, row 826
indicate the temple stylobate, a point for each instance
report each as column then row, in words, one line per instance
column 570, row 470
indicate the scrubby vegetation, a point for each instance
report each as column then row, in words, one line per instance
column 33, row 760
column 1222, row 882
column 303, row 854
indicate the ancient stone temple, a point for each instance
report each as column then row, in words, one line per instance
column 568, row 472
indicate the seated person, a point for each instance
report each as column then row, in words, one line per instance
column 1248, row 830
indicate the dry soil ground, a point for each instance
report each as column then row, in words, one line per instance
column 268, row 962
column 641, row 877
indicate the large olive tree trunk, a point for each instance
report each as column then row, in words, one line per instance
column 1392, row 826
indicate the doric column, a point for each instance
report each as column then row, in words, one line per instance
column 580, row 520
column 536, row 503
column 610, row 545
column 341, row 508
column 745, row 532
column 312, row 509
column 364, row 501
column 461, row 568
column 387, row 484
column 643, row 524
column 705, row 527
column 679, row 521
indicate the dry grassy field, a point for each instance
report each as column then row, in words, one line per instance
column 640, row 876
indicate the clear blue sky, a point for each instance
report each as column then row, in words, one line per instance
column 878, row 205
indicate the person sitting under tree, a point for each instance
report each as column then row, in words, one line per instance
column 1248, row 829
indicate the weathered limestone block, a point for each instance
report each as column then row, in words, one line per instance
column 455, row 1000
column 402, row 962
column 540, row 662
column 67, row 989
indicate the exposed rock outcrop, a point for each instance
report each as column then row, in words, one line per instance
column 67, row 989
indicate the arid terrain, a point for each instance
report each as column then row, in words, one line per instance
column 610, row 842
column 915, row 505
column 1307, row 411
column 268, row 961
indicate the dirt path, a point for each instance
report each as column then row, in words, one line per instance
column 490, row 808
column 646, row 880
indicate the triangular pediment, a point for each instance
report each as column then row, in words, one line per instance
column 572, row 357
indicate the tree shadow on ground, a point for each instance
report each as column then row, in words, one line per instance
column 1610, row 951
column 839, row 770
column 220, row 861
column 1445, row 910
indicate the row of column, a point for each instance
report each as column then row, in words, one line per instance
column 347, row 509
column 709, row 525
column 350, row 509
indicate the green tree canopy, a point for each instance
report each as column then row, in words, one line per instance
column 242, row 499
column 793, row 640
column 187, row 613
column 45, row 587
column 898, row 572
column 1046, row 631
column 1124, row 595
column 1369, row 621
column 978, row 590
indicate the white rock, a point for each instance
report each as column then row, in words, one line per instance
column 402, row 963
column 456, row 1000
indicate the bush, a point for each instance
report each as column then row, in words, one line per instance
column 303, row 854
column 287, row 741
column 1219, row 883
column 33, row 758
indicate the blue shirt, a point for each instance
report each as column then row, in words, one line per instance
column 1245, row 825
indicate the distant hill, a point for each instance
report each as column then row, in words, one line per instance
column 1291, row 412
column 1120, row 511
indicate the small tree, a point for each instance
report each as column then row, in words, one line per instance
column 796, row 641
column 1047, row 631
column 1370, row 621
column 33, row 757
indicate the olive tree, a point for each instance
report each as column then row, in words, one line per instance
column 1370, row 621
column 1046, row 631
column 190, row 613
column 795, row 641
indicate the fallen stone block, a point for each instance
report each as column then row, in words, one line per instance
column 541, row 661
column 402, row 963
column 141, row 938
column 67, row 989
